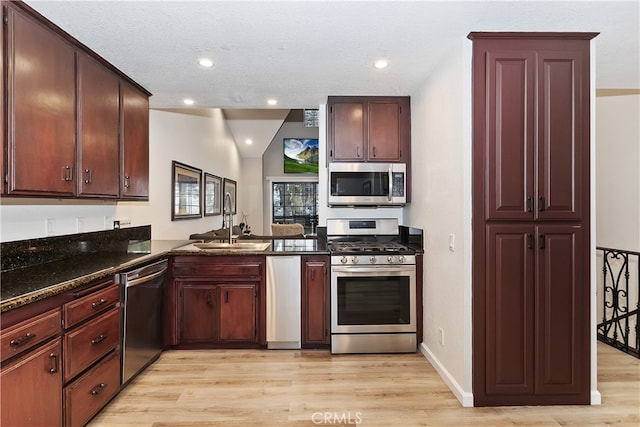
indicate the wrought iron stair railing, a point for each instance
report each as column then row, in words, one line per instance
column 618, row 289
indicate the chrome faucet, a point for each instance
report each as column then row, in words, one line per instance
column 228, row 210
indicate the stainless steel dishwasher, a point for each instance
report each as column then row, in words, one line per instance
column 142, row 331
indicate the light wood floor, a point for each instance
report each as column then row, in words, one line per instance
column 297, row 388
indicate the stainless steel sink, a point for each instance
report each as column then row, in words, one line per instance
column 236, row 246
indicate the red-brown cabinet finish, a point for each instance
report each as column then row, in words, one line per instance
column 315, row 302
column 369, row 129
column 41, row 108
column 199, row 315
column 238, row 320
column 31, row 392
column 531, row 218
column 98, row 119
column 134, row 179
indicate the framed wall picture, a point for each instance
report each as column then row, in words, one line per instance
column 229, row 187
column 186, row 184
column 300, row 155
column 212, row 194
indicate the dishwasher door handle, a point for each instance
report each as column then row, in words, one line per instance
column 145, row 279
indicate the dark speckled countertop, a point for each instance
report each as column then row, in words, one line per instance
column 33, row 283
column 23, row 284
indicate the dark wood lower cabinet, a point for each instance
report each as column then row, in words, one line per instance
column 31, row 388
column 536, row 306
column 315, row 302
column 88, row 394
column 217, row 302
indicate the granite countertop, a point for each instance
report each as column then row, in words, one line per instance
column 34, row 283
column 30, row 284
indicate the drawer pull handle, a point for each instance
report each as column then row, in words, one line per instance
column 99, row 303
column 18, row 342
column 99, row 389
column 55, row 363
column 98, row 340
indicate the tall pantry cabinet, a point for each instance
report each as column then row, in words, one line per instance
column 531, row 282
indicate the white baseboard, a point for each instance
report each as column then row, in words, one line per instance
column 464, row 397
column 596, row 397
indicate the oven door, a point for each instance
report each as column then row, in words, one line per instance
column 373, row 299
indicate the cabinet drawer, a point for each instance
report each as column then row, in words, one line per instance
column 90, row 342
column 89, row 393
column 29, row 333
column 219, row 270
column 83, row 308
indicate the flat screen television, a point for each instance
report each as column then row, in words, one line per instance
column 300, row 155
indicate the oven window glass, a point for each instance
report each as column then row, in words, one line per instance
column 359, row 183
column 374, row 300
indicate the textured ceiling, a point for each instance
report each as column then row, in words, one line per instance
column 299, row 52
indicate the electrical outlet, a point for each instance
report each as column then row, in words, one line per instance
column 80, row 224
column 441, row 336
column 107, row 222
column 452, row 242
column 50, row 224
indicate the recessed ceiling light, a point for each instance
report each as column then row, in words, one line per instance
column 248, row 141
column 381, row 63
column 272, row 101
column 205, row 62
column 188, row 101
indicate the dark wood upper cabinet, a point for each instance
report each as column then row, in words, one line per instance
column 73, row 125
column 41, row 109
column 531, row 218
column 134, row 143
column 535, row 159
column 369, row 129
column 98, row 119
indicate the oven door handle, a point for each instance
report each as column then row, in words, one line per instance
column 382, row 269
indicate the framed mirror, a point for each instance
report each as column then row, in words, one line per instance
column 186, row 183
column 212, row 194
column 230, row 187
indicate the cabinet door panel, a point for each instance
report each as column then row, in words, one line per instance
column 509, row 310
column 348, row 131
column 237, row 312
column 384, row 131
column 134, row 144
column 510, row 134
column 98, row 120
column 198, row 313
column 560, row 136
column 562, row 323
column 315, row 303
column 31, row 392
column 42, row 127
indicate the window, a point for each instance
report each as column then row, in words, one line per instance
column 296, row 202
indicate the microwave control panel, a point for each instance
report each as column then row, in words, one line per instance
column 398, row 184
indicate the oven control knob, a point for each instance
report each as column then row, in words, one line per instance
column 355, row 260
column 390, row 259
column 373, row 259
column 343, row 260
column 401, row 259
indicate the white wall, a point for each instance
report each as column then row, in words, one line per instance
column 618, row 172
column 441, row 205
column 202, row 142
column 250, row 195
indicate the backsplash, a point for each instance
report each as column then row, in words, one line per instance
column 30, row 252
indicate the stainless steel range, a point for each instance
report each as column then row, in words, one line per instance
column 373, row 287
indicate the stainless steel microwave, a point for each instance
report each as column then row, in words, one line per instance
column 367, row 184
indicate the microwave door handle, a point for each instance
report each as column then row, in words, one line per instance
column 390, row 183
